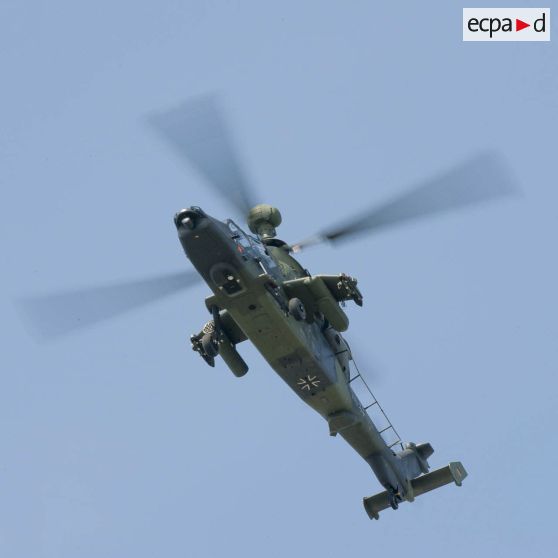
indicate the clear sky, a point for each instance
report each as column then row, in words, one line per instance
column 119, row 441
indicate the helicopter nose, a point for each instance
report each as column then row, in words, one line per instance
column 189, row 218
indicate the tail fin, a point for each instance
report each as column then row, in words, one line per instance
column 454, row 472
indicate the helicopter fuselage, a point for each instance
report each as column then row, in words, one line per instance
column 250, row 281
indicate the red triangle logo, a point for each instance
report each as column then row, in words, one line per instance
column 519, row 25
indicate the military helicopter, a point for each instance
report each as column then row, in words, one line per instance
column 261, row 293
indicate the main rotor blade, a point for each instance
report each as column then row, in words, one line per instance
column 53, row 315
column 482, row 178
column 197, row 131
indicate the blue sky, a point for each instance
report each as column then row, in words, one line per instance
column 118, row 440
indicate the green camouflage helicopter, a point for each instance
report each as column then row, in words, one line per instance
column 261, row 293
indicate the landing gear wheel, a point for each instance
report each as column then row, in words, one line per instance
column 297, row 310
column 209, row 344
column 393, row 499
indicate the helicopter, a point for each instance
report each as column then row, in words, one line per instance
column 261, row 293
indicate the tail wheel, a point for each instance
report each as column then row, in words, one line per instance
column 394, row 498
column 210, row 345
column 297, row 310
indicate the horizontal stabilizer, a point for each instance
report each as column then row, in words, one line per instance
column 454, row 472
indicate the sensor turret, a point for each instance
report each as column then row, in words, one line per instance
column 263, row 219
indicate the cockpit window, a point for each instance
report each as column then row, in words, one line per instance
column 233, row 227
column 238, row 235
column 249, row 245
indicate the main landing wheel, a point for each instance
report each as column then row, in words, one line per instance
column 297, row 310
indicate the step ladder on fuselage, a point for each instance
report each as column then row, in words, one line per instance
column 373, row 408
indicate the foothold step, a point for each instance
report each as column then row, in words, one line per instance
column 340, row 421
column 454, row 472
